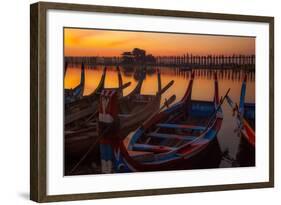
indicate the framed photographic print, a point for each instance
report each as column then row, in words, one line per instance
column 134, row 102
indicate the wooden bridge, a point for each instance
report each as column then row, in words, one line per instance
column 187, row 61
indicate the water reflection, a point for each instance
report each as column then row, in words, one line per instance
column 228, row 140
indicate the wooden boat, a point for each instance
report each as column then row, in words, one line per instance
column 74, row 94
column 131, row 110
column 78, row 139
column 169, row 139
column 87, row 108
column 87, row 104
column 245, row 115
column 80, row 126
column 125, row 113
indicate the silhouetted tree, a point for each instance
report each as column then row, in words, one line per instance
column 127, row 58
column 137, row 56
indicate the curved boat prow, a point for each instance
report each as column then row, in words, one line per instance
column 216, row 95
column 245, row 115
column 245, row 109
column 82, row 79
column 101, row 83
column 137, row 89
column 242, row 95
column 76, row 93
column 120, row 81
column 159, row 80
column 65, row 68
column 188, row 91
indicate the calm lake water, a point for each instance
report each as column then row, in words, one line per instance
column 203, row 89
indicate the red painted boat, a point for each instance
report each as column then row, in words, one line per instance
column 245, row 115
column 168, row 140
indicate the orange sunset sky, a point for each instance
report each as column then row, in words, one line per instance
column 91, row 42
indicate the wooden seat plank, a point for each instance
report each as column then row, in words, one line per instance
column 181, row 126
column 151, row 148
column 171, row 136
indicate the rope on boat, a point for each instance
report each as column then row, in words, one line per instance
column 88, row 151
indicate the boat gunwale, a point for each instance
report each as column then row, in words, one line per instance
column 174, row 155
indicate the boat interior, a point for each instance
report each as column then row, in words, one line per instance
column 134, row 103
column 178, row 129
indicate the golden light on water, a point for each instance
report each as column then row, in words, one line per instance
column 203, row 86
